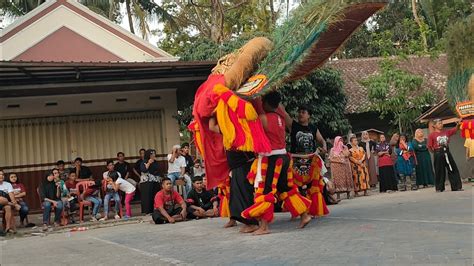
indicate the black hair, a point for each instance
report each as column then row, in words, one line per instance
column 273, row 99
column 78, row 159
column 52, row 170
column 142, row 149
column 184, row 145
column 165, row 179
column 400, row 137
column 17, row 178
column 108, row 162
column 60, row 162
column 305, row 108
column 353, row 137
column 114, row 175
column 118, row 153
column 148, row 154
column 196, row 178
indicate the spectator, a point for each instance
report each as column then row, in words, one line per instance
column 92, row 195
column 188, row 158
column 123, row 168
column 405, row 163
column 199, row 168
column 8, row 203
column 83, row 173
column 71, row 184
column 149, row 178
column 201, row 202
column 177, row 167
column 63, row 172
column 360, row 173
column 110, row 168
column 20, row 193
column 124, row 186
column 64, row 192
column 50, row 197
column 369, row 147
column 341, row 168
column 424, row 167
column 136, row 168
column 110, row 193
column 388, row 181
column 166, row 201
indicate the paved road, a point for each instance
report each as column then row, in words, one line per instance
column 421, row 227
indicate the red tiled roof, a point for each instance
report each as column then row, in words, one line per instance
column 434, row 72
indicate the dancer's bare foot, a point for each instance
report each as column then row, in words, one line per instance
column 305, row 219
column 261, row 231
column 230, row 223
column 249, row 228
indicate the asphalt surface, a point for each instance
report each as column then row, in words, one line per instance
column 402, row 228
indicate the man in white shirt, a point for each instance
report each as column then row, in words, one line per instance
column 177, row 167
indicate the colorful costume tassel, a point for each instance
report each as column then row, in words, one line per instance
column 224, row 197
column 467, row 129
column 318, row 204
column 264, row 205
column 294, row 202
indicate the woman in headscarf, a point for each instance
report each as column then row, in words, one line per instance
column 405, row 163
column 369, row 147
column 393, row 144
column 341, row 168
column 387, row 177
column 424, row 167
column 149, row 180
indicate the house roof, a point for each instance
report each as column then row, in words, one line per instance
column 433, row 71
column 370, row 130
column 441, row 110
column 65, row 30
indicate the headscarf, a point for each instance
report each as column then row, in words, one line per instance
column 367, row 143
column 338, row 145
column 419, row 135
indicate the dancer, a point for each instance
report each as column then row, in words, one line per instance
column 438, row 143
column 275, row 172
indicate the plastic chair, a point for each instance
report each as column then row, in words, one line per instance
column 81, row 187
column 64, row 219
column 104, row 189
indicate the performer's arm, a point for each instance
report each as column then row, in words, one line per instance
column 288, row 119
column 213, row 126
column 263, row 119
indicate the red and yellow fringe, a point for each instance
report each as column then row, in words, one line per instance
column 238, row 121
column 224, row 197
column 467, row 129
column 264, row 205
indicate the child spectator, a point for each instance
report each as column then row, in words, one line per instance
column 92, row 195
column 188, row 159
column 110, row 193
column 50, row 196
column 73, row 194
column 124, row 186
column 201, row 202
column 8, row 203
column 166, row 200
column 20, row 193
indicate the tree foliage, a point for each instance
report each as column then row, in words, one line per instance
column 397, row 93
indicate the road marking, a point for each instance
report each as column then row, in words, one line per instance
column 399, row 220
column 149, row 254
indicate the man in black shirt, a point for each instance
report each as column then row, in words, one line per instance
column 123, row 168
column 189, row 159
column 201, row 202
column 136, row 167
column 303, row 135
column 83, row 173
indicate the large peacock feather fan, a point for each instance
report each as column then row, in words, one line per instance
column 304, row 42
column 460, row 50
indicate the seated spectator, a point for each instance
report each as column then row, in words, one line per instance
column 198, row 168
column 177, row 168
column 169, row 205
column 110, row 169
column 123, row 168
column 63, row 172
column 83, row 173
column 8, row 203
column 73, row 194
column 123, row 185
column 138, row 163
column 50, row 196
column 188, row 159
column 201, row 203
column 64, row 192
column 20, row 193
column 111, row 193
column 92, row 195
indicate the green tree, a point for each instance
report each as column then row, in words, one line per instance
column 397, row 93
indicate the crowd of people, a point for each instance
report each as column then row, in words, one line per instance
column 352, row 166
